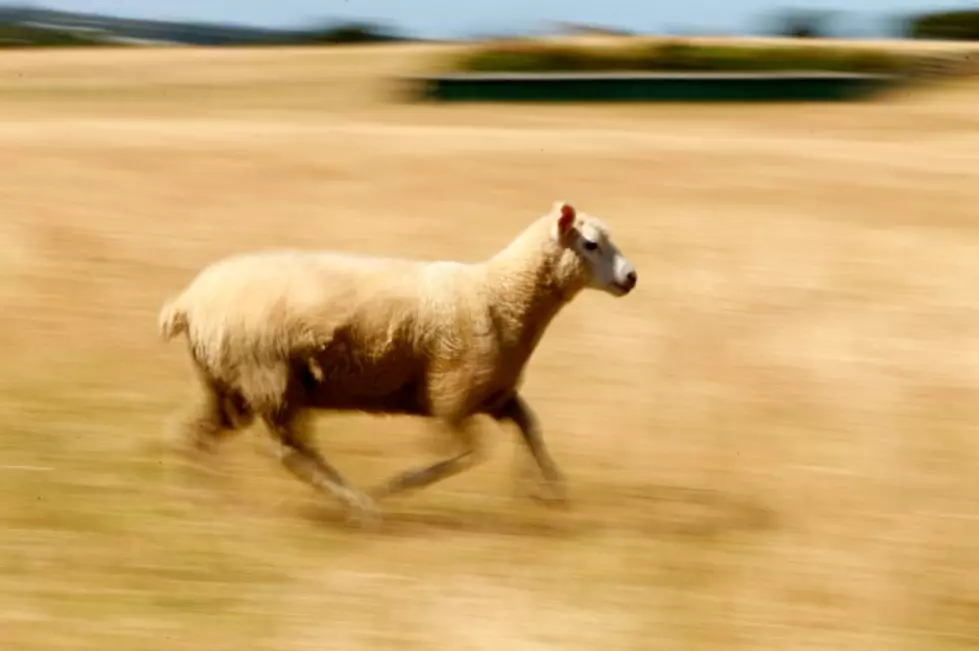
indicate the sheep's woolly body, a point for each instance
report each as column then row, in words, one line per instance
column 340, row 331
column 279, row 333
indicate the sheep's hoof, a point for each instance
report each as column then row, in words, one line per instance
column 551, row 493
column 362, row 510
column 191, row 457
column 366, row 520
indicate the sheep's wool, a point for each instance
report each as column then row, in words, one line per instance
column 324, row 329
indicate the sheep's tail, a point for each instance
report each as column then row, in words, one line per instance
column 172, row 320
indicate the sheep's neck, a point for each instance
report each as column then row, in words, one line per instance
column 527, row 297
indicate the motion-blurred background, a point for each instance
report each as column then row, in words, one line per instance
column 772, row 444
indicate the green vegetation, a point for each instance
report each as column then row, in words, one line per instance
column 681, row 57
column 345, row 33
column 946, row 25
column 27, row 36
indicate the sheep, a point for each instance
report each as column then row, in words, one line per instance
column 278, row 334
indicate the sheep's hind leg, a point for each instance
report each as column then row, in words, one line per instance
column 190, row 443
column 517, row 411
column 220, row 414
column 301, row 458
column 416, row 478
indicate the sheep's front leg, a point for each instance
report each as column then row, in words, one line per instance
column 517, row 411
column 302, row 459
column 415, row 478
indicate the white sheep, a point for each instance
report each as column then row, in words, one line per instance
column 277, row 334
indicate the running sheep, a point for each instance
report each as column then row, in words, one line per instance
column 277, row 334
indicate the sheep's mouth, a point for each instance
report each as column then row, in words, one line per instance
column 621, row 289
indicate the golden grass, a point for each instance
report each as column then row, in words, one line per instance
column 771, row 444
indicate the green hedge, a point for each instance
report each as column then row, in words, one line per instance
column 344, row 34
column 946, row 25
column 27, row 36
column 680, row 57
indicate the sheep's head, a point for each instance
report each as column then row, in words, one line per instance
column 589, row 258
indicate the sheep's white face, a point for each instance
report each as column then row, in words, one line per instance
column 605, row 267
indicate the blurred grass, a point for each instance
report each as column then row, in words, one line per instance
column 772, row 443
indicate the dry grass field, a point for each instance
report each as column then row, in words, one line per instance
column 772, row 444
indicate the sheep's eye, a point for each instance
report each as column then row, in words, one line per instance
column 590, row 246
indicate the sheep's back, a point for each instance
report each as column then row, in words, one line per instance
column 270, row 306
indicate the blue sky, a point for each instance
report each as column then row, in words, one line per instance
column 440, row 18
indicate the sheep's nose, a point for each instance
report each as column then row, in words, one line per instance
column 630, row 279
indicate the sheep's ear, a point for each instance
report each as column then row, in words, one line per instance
column 565, row 216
